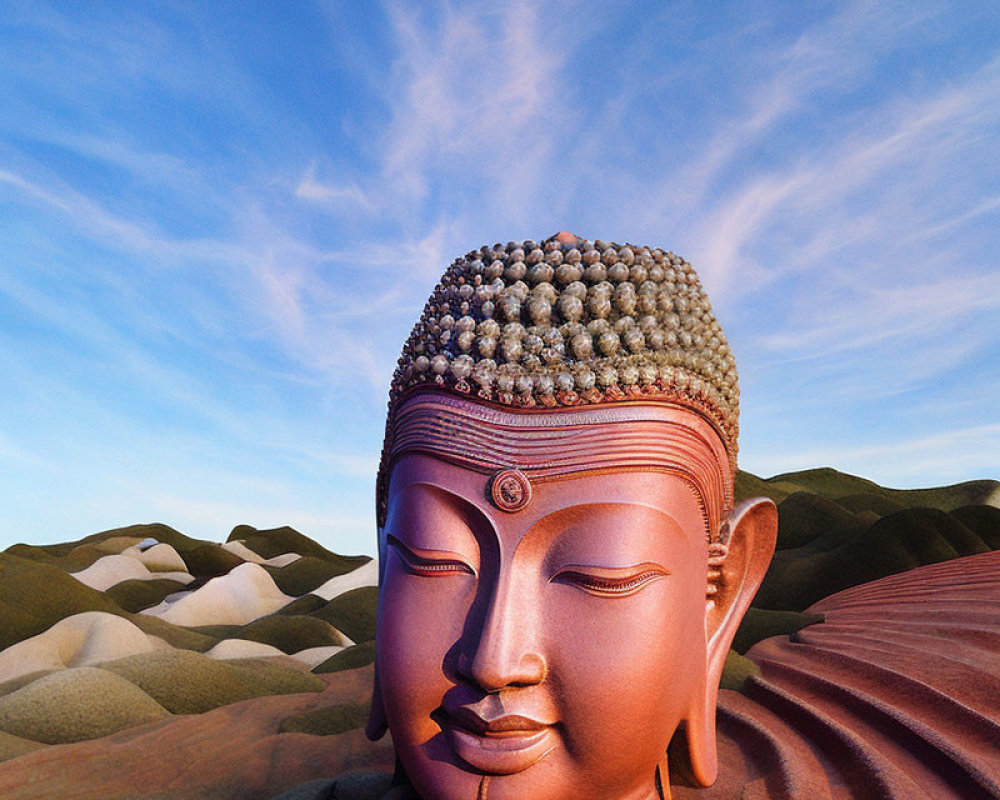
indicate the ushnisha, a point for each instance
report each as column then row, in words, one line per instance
column 569, row 322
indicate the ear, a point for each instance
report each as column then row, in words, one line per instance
column 737, row 566
column 377, row 724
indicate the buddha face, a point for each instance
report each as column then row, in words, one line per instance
column 551, row 649
column 543, row 634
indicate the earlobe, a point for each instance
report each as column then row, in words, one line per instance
column 377, row 724
column 738, row 568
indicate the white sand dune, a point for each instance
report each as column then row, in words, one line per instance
column 246, row 593
column 314, row 656
column 365, row 575
column 109, row 570
column 283, row 560
column 238, row 548
column 165, row 603
column 113, row 545
column 80, row 640
column 158, row 558
column 242, row 648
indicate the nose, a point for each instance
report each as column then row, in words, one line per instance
column 504, row 653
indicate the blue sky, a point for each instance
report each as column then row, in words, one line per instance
column 219, row 221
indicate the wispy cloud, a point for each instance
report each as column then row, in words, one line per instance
column 311, row 188
column 957, row 452
column 473, row 92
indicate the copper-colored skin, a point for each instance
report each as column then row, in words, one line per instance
column 542, row 639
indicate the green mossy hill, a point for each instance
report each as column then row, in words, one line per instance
column 359, row 655
column 81, row 553
column 352, row 612
column 189, row 683
column 833, row 561
column 155, row 530
column 278, row 677
column 306, row 574
column 760, row 624
column 211, row 560
column 34, row 596
column 7, row 687
column 984, row 521
column 302, row 605
column 135, row 595
column 290, row 634
column 327, row 721
column 273, row 542
column 836, row 485
column 103, row 540
column 14, row 746
column 737, row 670
column 218, row 632
column 78, row 557
column 747, row 485
column 174, row 635
column 875, row 504
column 75, row 560
column 76, row 704
column 803, row 517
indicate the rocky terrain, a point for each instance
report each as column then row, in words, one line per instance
column 140, row 662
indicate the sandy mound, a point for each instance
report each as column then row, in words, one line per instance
column 135, row 595
column 211, row 561
column 353, row 657
column 283, row 560
column 158, row 558
column 237, row 598
column 33, row 597
column 191, row 683
column 109, row 570
column 352, row 612
column 292, row 633
column 14, row 746
column 113, row 545
column 365, row 575
column 242, row 648
column 238, row 548
column 231, row 753
column 314, row 656
column 77, row 641
column 76, row 704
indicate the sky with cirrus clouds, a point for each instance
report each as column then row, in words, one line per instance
column 218, row 223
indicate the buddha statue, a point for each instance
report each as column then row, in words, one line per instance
column 562, row 563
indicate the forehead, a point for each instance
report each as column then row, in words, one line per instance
column 436, row 505
column 550, row 447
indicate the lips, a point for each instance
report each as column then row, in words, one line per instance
column 497, row 744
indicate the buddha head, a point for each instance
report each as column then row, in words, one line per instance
column 563, row 566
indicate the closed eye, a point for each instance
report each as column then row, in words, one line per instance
column 610, row 582
column 428, row 567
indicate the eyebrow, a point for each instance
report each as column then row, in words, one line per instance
column 467, row 511
column 578, row 515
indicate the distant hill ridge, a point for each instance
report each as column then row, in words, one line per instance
column 836, row 485
column 837, row 530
